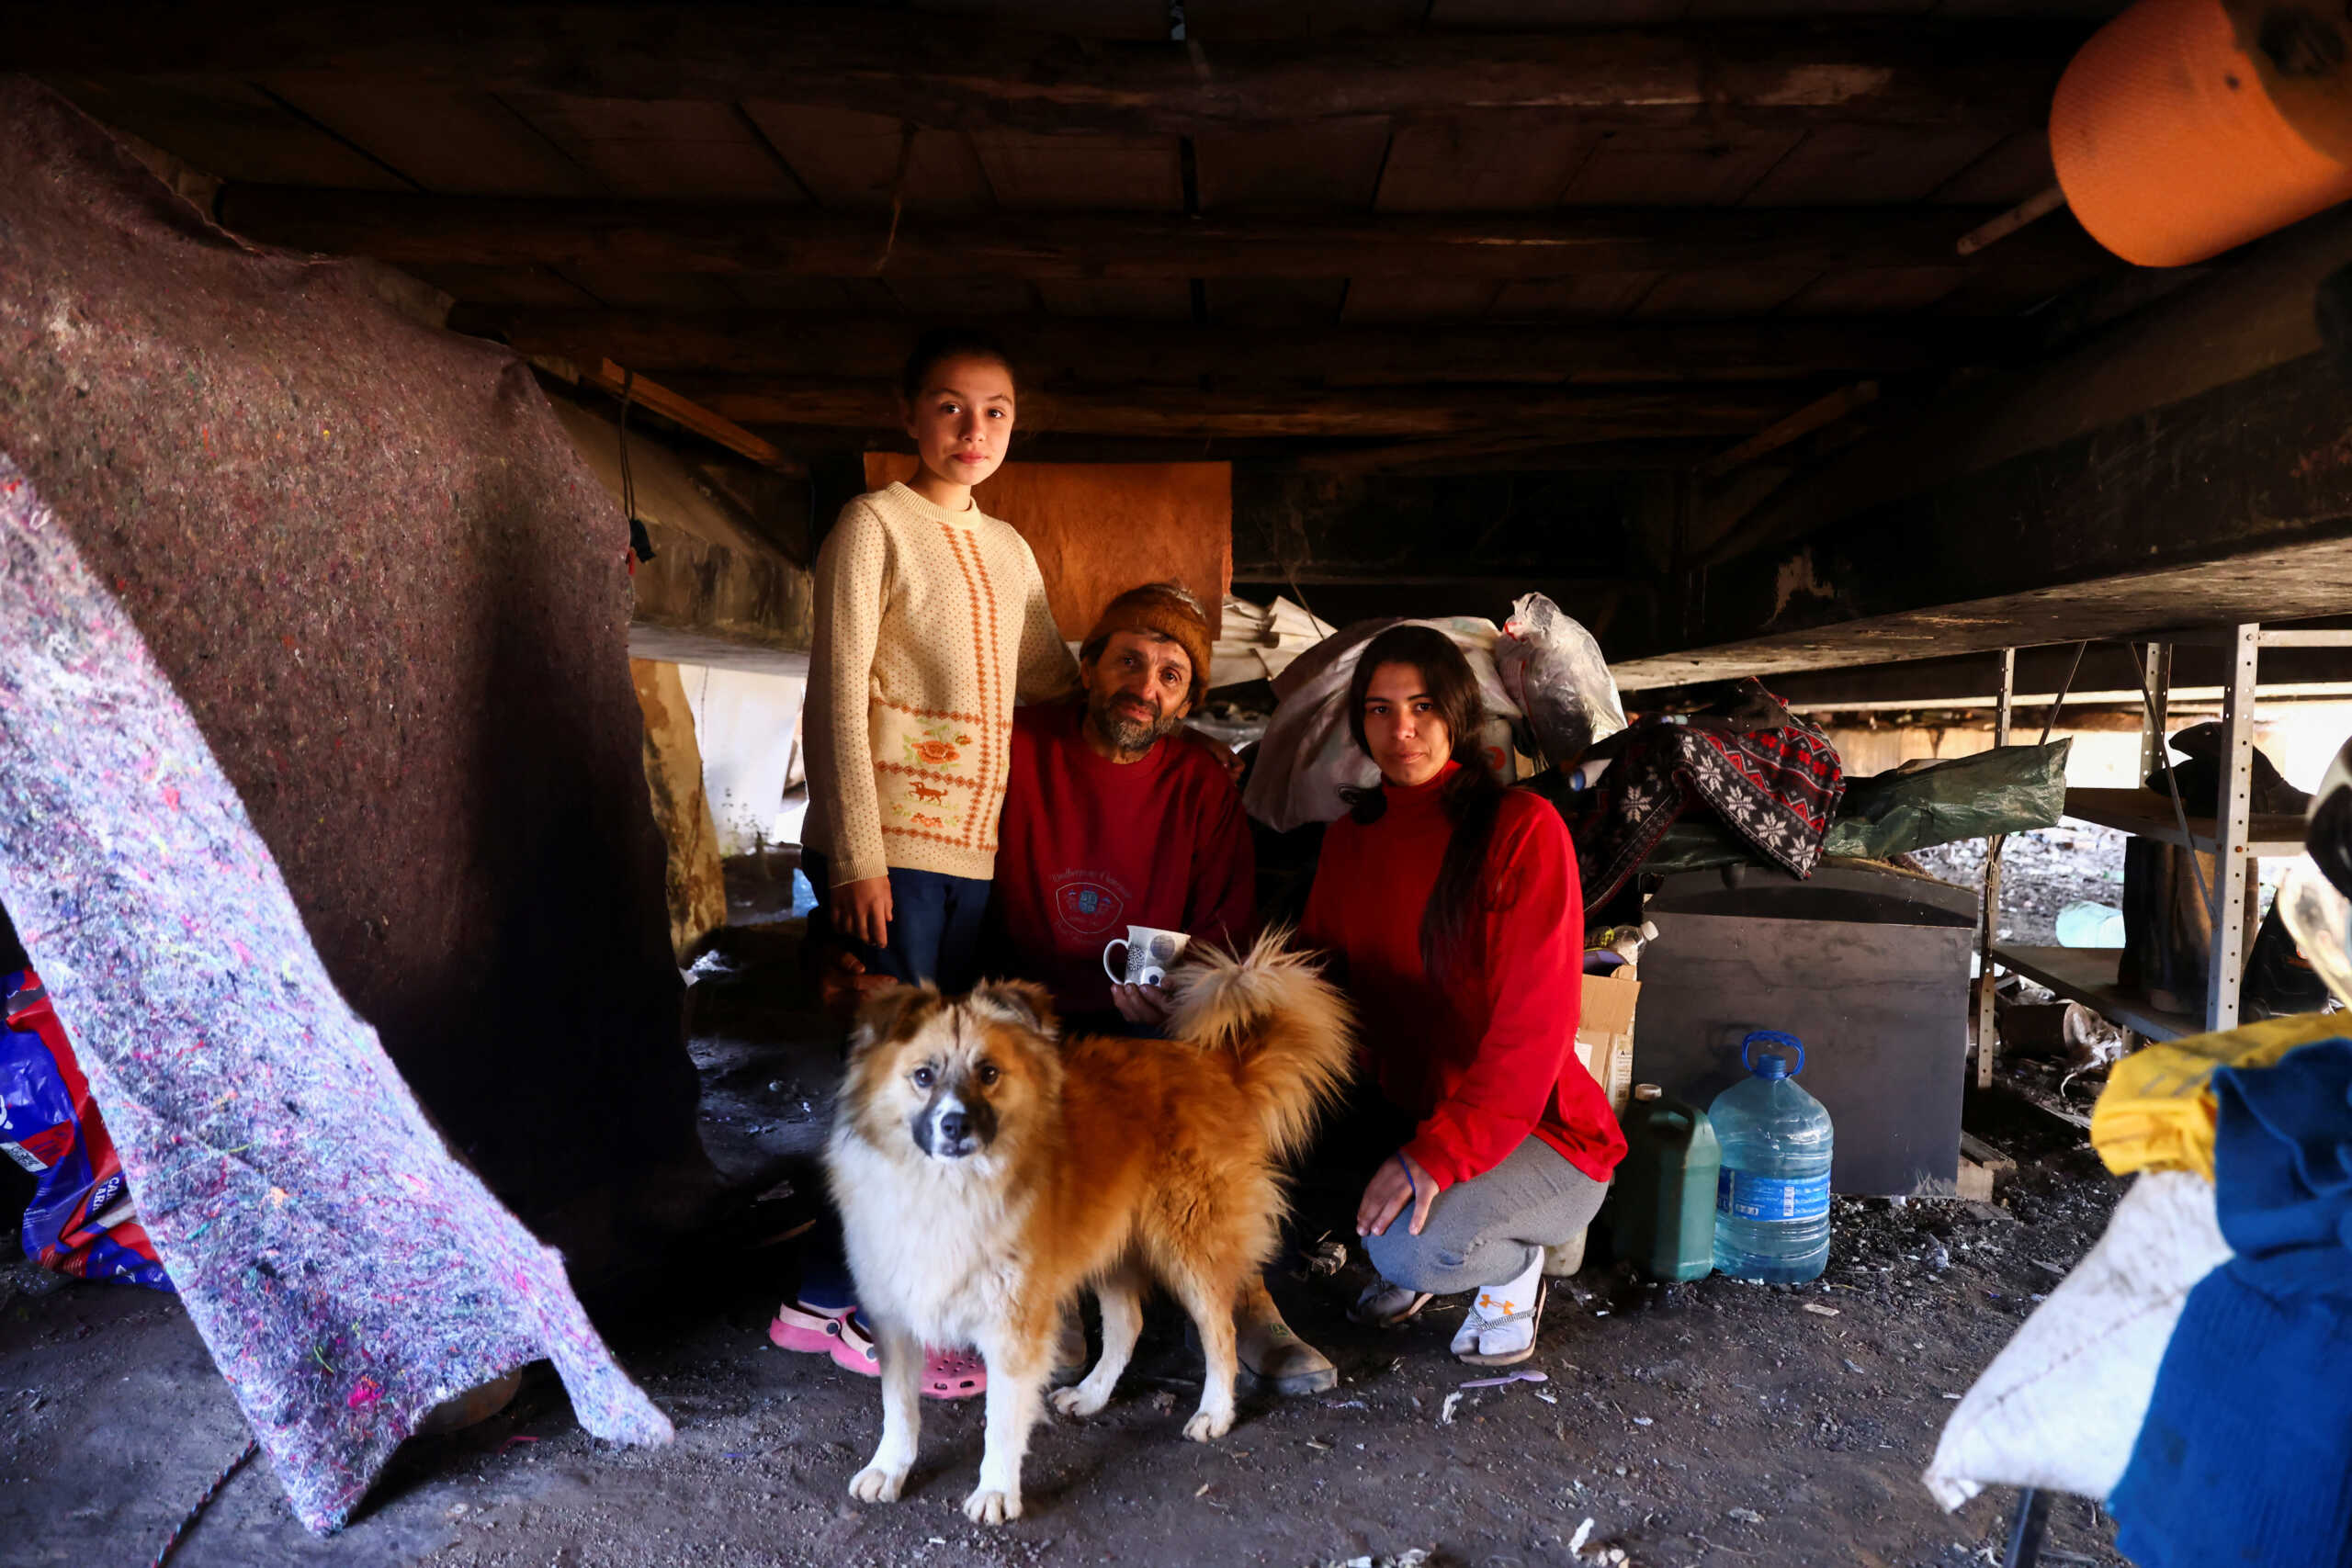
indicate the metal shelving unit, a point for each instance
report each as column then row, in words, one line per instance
column 2235, row 838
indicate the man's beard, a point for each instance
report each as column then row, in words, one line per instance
column 1129, row 735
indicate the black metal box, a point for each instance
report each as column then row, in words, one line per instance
column 1869, row 966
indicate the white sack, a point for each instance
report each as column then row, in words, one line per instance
column 2060, row 1405
column 1307, row 756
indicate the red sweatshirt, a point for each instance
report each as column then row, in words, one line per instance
column 1088, row 847
column 1481, row 1064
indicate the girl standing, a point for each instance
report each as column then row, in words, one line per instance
column 932, row 623
column 1452, row 908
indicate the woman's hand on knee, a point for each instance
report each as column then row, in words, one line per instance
column 1399, row 1183
column 863, row 910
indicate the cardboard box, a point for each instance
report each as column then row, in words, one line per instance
column 1605, row 1032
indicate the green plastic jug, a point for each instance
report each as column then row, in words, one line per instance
column 1665, row 1197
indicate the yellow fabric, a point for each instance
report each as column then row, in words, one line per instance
column 930, row 625
column 2158, row 1109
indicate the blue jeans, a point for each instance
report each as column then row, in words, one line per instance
column 934, row 931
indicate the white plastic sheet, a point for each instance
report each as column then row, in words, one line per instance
column 2060, row 1405
column 1308, row 757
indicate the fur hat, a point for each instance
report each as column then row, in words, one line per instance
column 1167, row 609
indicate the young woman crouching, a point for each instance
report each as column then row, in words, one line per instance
column 1451, row 909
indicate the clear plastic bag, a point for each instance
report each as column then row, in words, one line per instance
column 1554, row 672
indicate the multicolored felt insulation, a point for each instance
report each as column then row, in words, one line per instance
column 346, row 1272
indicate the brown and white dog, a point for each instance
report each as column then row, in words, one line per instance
column 987, row 1169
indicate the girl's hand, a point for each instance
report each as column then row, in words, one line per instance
column 861, row 910
column 1399, row 1181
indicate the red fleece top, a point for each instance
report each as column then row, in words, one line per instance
column 1088, row 847
column 1485, row 1061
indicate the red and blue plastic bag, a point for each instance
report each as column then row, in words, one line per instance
column 81, row 1221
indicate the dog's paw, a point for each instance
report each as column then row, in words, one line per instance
column 986, row 1507
column 1208, row 1426
column 1078, row 1402
column 876, row 1484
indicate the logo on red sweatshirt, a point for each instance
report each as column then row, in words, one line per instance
column 1086, row 906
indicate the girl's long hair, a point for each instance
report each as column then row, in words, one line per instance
column 1451, row 926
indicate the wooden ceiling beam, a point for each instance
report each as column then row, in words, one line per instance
column 676, row 237
column 1555, row 417
column 936, row 71
column 1079, row 352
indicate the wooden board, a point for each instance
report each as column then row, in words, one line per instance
column 1700, row 167
column 2087, row 975
column 1099, row 529
column 850, row 161
column 1481, row 163
column 1095, row 173
column 667, row 151
column 1332, row 162
column 2150, row 816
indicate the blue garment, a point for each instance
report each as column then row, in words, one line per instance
column 935, row 925
column 2246, row 1456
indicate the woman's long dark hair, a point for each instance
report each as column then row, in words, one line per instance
column 1451, row 927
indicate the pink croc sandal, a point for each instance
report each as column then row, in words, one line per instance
column 798, row 1328
column 946, row 1374
column 838, row 1334
column 952, row 1374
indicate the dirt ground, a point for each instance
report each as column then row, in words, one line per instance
column 1714, row 1423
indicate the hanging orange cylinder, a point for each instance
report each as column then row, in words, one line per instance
column 2185, row 126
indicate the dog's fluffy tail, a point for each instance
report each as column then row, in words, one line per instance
column 1289, row 1029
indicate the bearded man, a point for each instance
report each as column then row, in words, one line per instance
column 1113, row 818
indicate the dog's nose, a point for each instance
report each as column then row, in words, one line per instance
column 952, row 1125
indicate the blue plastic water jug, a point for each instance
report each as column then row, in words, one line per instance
column 1772, row 1197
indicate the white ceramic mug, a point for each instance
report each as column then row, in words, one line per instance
column 1150, row 952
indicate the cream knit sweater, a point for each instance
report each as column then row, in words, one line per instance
column 930, row 625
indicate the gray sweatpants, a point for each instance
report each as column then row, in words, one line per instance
column 1487, row 1229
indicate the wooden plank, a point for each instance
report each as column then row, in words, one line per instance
column 1997, row 73
column 1481, row 163
column 831, row 343
column 1725, row 291
column 464, row 144
column 687, row 413
column 1328, row 164
column 851, row 161
column 2087, row 975
column 1871, row 163
column 1710, row 166
column 1031, row 171
column 689, row 237
column 1258, row 304
column 1601, row 297
column 1564, row 418
column 668, row 151
column 2248, row 317
column 229, row 128
column 1876, row 290
column 1990, row 1158
column 1974, row 1183
column 2149, row 815
column 1441, row 301
column 1815, row 415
